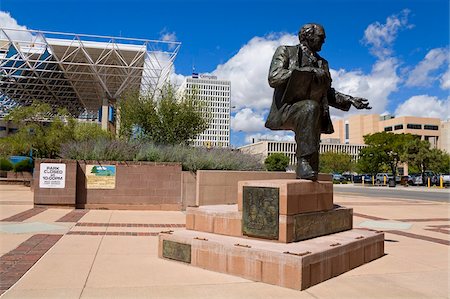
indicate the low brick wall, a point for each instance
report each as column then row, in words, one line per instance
column 218, row 187
column 189, row 182
column 21, row 175
column 56, row 196
column 138, row 185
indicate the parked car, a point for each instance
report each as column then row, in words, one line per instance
column 348, row 177
column 357, row 179
column 422, row 179
column 382, row 178
column 446, row 179
column 338, row 178
column 406, row 180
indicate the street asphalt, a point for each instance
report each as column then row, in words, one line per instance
column 410, row 192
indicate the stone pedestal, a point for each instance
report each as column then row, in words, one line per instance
column 227, row 220
column 294, row 265
column 258, row 238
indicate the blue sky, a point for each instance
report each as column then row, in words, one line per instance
column 395, row 53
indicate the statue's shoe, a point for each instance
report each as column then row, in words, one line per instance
column 305, row 171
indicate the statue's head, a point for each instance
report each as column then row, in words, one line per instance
column 313, row 36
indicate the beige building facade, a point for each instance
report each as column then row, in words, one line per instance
column 352, row 129
column 264, row 148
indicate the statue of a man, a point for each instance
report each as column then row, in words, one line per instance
column 301, row 105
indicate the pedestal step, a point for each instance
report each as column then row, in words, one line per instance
column 227, row 220
column 288, row 197
column 294, row 265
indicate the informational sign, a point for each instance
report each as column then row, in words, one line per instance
column 100, row 176
column 52, row 175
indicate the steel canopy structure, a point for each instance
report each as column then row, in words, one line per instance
column 78, row 71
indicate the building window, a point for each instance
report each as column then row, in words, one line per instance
column 387, row 129
column 398, row 127
column 431, row 127
column 414, row 126
column 347, row 131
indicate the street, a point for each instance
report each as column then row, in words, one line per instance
column 411, row 192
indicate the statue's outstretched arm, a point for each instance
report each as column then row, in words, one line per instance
column 344, row 101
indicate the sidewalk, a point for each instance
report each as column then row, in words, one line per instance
column 66, row 253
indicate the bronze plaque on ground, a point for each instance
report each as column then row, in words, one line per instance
column 260, row 212
column 177, row 251
column 315, row 224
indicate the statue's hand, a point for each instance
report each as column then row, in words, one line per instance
column 360, row 103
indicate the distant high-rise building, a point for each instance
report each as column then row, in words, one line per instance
column 215, row 94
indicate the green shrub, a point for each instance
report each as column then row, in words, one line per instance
column 277, row 162
column 5, row 164
column 24, row 165
column 191, row 158
column 90, row 131
column 100, row 149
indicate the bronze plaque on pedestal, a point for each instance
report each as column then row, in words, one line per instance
column 260, row 212
column 177, row 251
column 311, row 225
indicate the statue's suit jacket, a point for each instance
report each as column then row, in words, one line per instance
column 284, row 61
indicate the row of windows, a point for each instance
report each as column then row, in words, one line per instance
column 212, row 98
column 209, row 88
column 213, row 131
column 219, row 127
column 412, row 126
column 197, row 82
column 210, row 93
column 289, row 149
column 212, row 138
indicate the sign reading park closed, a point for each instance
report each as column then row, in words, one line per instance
column 52, row 175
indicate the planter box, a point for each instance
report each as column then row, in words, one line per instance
column 138, row 185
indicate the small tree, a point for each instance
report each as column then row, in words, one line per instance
column 370, row 161
column 277, row 162
column 387, row 149
column 331, row 162
column 422, row 157
column 90, row 131
column 162, row 117
column 41, row 130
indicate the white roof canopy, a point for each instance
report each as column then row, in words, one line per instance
column 78, row 71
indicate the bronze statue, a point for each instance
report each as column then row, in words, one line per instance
column 302, row 95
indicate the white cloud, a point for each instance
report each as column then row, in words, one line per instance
column 375, row 86
column 270, row 135
column 424, row 106
column 248, row 71
column 176, row 79
column 8, row 22
column 168, row 37
column 247, row 120
column 421, row 74
column 380, row 37
column 445, row 80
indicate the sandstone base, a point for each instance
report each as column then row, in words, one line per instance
column 227, row 220
column 294, row 265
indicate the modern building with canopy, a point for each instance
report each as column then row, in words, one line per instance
column 86, row 74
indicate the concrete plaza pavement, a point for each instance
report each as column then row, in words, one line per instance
column 113, row 254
